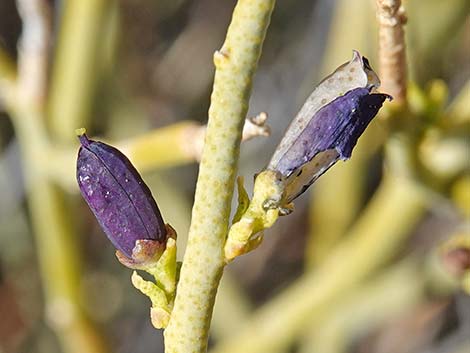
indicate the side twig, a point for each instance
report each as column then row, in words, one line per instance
column 392, row 51
column 57, row 252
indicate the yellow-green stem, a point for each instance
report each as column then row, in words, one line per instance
column 459, row 109
column 57, row 252
column 330, row 219
column 367, row 306
column 56, row 244
column 74, row 71
column 7, row 78
column 7, row 68
column 203, row 261
column 387, row 221
column 351, row 27
column 233, row 303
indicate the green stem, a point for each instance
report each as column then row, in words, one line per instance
column 7, row 78
column 371, row 242
column 203, row 262
column 7, row 69
column 60, row 269
column 74, row 71
column 344, row 182
column 55, row 242
column 352, row 26
column 57, row 252
column 459, row 109
column 371, row 304
column 233, row 303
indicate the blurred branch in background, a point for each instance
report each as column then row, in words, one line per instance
column 34, row 48
column 170, row 146
column 435, row 46
column 345, row 291
column 459, row 109
column 57, row 250
column 371, row 242
column 7, row 77
column 231, row 303
column 186, row 139
column 351, row 27
column 338, row 197
column 74, row 73
column 366, row 306
column 172, row 74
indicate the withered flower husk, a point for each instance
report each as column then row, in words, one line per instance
column 327, row 127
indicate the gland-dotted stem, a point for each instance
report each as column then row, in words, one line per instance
column 204, row 260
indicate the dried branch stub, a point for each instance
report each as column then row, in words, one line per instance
column 392, row 50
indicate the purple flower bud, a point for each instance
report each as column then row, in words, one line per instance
column 120, row 200
column 328, row 126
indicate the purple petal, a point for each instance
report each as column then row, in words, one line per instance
column 117, row 195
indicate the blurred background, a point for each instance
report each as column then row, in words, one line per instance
column 124, row 69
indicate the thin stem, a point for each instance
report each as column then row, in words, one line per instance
column 231, row 302
column 74, row 73
column 392, row 51
column 459, row 109
column 371, row 242
column 203, row 261
column 7, row 77
column 169, row 146
column 57, row 252
column 351, row 27
column 369, row 305
column 330, row 220
column 34, row 44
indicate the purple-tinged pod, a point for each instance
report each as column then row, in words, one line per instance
column 328, row 126
column 120, row 200
column 329, row 137
column 356, row 73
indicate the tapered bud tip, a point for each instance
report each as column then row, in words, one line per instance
column 81, row 133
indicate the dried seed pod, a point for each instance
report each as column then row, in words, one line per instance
column 328, row 126
column 120, row 200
